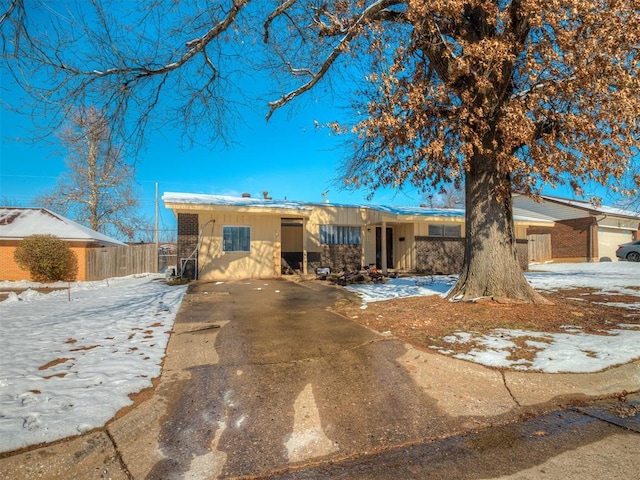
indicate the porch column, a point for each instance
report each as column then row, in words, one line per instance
column 304, row 246
column 363, row 232
column 383, row 247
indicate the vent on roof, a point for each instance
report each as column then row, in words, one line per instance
column 246, row 195
column 9, row 218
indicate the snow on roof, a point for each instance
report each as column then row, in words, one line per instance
column 18, row 223
column 420, row 211
column 399, row 210
column 224, row 200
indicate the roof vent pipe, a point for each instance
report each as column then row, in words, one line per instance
column 246, row 195
column 266, row 196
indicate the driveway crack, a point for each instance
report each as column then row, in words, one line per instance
column 121, row 461
column 504, row 381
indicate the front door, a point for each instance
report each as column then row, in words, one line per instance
column 379, row 247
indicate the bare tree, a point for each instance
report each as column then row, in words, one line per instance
column 6, row 201
column 145, row 65
column 445, row 198
column 631, row 181
column 502, row 94
column 97, row 189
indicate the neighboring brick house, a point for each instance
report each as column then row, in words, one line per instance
column 581, row 231
column 19, row 223
column 232, row 238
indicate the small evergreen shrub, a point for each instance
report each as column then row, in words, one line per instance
column 47, row 258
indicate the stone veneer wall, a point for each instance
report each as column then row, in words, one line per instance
column 187, row 243
column 435, row 255
column 522, row 250
column 445, row 256
column 339, row 257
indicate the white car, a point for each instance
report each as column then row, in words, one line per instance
column 629, row 251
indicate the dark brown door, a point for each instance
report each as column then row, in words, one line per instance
column 379, row 247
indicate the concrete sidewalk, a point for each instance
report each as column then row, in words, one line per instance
column 261, row 377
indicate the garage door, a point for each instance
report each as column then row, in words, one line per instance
column 608, row 241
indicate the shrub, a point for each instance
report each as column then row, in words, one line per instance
column 47, row 258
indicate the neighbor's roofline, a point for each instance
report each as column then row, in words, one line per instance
column 89, row 235
column 588, row 207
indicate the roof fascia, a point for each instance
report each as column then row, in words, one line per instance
column 258, row 210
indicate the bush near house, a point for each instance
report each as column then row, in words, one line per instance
column 47, row 258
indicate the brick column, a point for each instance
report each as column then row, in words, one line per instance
column 187, row 243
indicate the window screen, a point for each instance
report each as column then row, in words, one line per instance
column 236, row 239
column 339, row 235
column 444, row 230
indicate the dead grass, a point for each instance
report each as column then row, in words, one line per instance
column 53, row 363
column 425, row 321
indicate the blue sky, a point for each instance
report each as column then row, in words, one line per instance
column 288, row 157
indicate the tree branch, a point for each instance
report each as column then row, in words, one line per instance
column 15, row 9
column 369, row 13
column 275, row 14
column 195, row 47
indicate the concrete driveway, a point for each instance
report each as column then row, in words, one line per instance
column 283, row 382
column 262, row 378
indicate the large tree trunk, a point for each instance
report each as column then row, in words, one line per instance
column 491, row 267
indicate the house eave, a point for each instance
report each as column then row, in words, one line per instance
column 255, row 210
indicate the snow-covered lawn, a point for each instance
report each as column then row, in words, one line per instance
column 67, row 366
column 573, row 351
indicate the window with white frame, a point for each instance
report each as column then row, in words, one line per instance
column 444, row 230
column 340, row 235
column 236, row 239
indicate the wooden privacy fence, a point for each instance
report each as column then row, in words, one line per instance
column 121, row 261
column 540, row 247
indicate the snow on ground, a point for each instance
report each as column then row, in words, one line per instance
column 616, row 277
column 404, row 287
column 573, row 351
column 67, row 366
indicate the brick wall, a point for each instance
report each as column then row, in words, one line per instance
column 439, row 255
column 570, row 239
column 339, row 257
column 446, row 255
column 314, row 260
column 187, row 242
column 522, row 251
column 9, row 269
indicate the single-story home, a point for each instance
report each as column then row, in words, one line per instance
column 580, row 232
column 231, row 238
column 19, row 223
